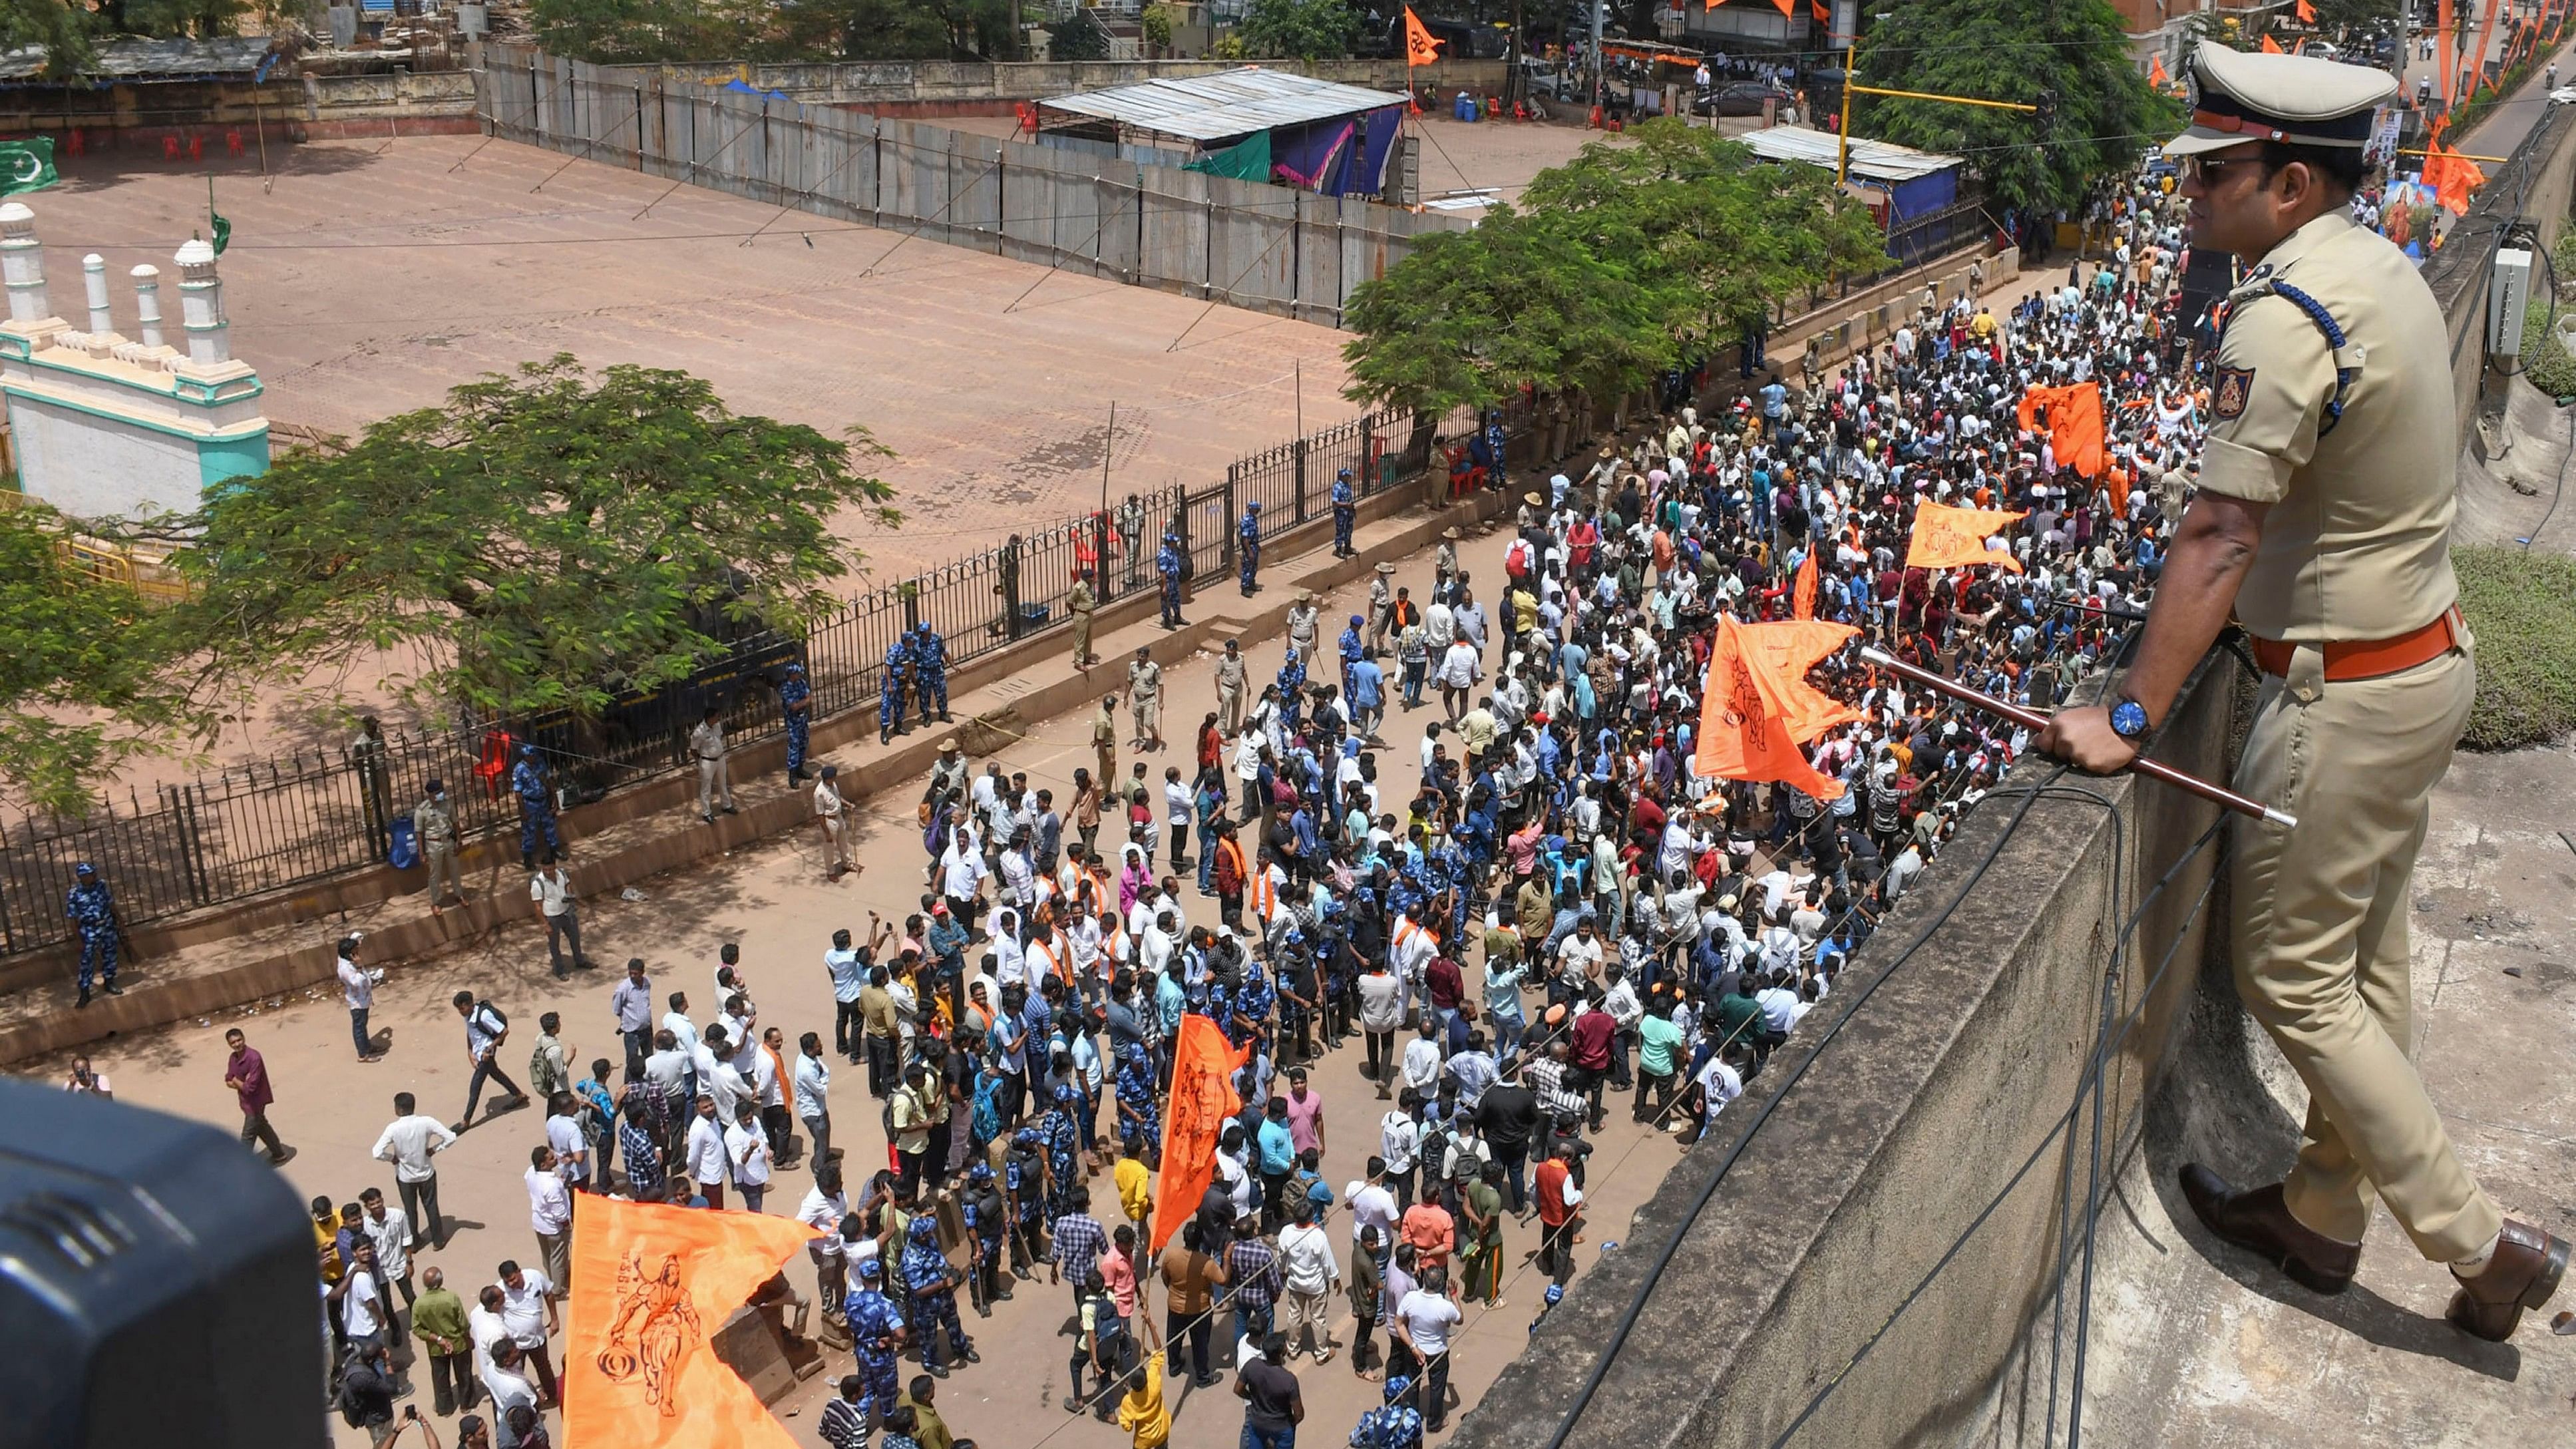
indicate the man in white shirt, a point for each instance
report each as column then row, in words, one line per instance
column 717, row 1075
column 408, row 1143
column 822, row 1210
column 564, row 1136
column 706, row 1152
column 1372, row 1204
column 358, row 989
column 1423, row 1322
column 747, row 1152
column 1719, row 1084
column 389, row 1232
column 813, row 1091
column 1310, row 1275
column 830, row 810
column 529, row 1310
column 550, row 1211
column 505, row 1379
column 551, row 889
column 359, row 1298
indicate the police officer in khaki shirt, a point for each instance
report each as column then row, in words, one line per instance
column 2323, row 521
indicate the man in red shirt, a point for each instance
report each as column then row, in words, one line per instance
column 1559, row 1219
column 1447, row 989
column 1429, row 1228
column 1589, row 1057
column 247, row 1075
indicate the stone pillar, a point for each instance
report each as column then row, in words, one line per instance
column 147, row 303
column 102, row 318
column 201, row 305
column 22, row 264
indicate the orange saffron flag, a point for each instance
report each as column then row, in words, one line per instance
column 1419, row 49
column 1948, row 538
column 2307, row 13
column 1203, row 1098
column 1802, row 592
column 652, row 1284
column 1743, row 729
column 1790, row 648
column 2156, row 75
column 2271, row 46
column 1787, row 7
column 2074, row 423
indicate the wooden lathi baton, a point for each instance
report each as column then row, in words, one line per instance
column 2034, row 720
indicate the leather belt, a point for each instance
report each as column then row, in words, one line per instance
column 2371, row 658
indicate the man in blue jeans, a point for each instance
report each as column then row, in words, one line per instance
column 1272, row 1407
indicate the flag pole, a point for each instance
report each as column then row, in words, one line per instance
column 2034, row 720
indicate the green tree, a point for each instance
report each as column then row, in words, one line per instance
column 1156, row 22
column 1704, row 217
column 84, row 681
column 1298, row 29
column 1521, row 301
column 2014, row 50
column 543, row 540
column 65, row 31
column 1077, row 37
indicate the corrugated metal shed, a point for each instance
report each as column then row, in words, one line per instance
column 1879, row 161
column 1229, row 103
column 229, row 57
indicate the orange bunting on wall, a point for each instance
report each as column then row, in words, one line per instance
column 1949, row 538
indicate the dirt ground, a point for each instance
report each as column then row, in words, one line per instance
column 366, row 278
column 774, row 901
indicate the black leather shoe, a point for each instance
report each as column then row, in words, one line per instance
column 2257, row 1221
column 2525, row 1270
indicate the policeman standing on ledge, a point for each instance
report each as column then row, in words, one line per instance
column 1346, row 511
column 536, row 806
column 2323, row 521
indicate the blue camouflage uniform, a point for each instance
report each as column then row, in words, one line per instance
column 1353, row 651
column 796, row 700
column 536, row 805
column 925, row 1267
column 1136, row 1083
column 93, row 913
column 929, row 670
column 1292, row 691
column 1345, row 513
column 1394, row 1425
column 1248, row 548
column 1062, row 1143
column 1024, row 1187
column 1167, row 567
column 1498, row 445
column 898, row 662
column 875, row 1324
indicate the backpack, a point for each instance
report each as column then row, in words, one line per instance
column 500, row 1022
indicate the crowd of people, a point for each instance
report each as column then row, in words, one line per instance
column 1561, row 915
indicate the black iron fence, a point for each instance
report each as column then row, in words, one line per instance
column 304, row 817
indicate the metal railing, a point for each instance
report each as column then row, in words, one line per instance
column 298, row 818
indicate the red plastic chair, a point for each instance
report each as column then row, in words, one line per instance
column 494, row 768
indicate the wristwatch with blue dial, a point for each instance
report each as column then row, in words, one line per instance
column 2128, row 719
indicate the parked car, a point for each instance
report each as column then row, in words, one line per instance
column 1741, row 98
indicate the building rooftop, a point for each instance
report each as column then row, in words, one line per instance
column 1881, row 161
column 1216, row 107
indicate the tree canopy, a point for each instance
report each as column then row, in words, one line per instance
column 544, row 540
column 1298, row 29
column 2023, row 51
column 1627, row 258
column 85, row 681
column 71, row 33
column 645, row 31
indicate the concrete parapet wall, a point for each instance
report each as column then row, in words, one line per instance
column 959, row 81
column 237, row 115
column 1946, row 1082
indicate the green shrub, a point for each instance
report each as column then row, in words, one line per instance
column 2522, row 608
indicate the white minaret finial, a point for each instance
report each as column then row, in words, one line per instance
column 22, row 263
column 147, row 303
column 102, row 319
column 201, row 304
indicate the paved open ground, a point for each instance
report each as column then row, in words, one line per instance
column 365, row 278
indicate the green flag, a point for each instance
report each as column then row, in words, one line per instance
column 26, row 165
column 223, row 229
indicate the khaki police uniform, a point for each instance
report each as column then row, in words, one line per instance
column 715, row 776
column 435, row 819
column 1081, row 605
column 2355, row 551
